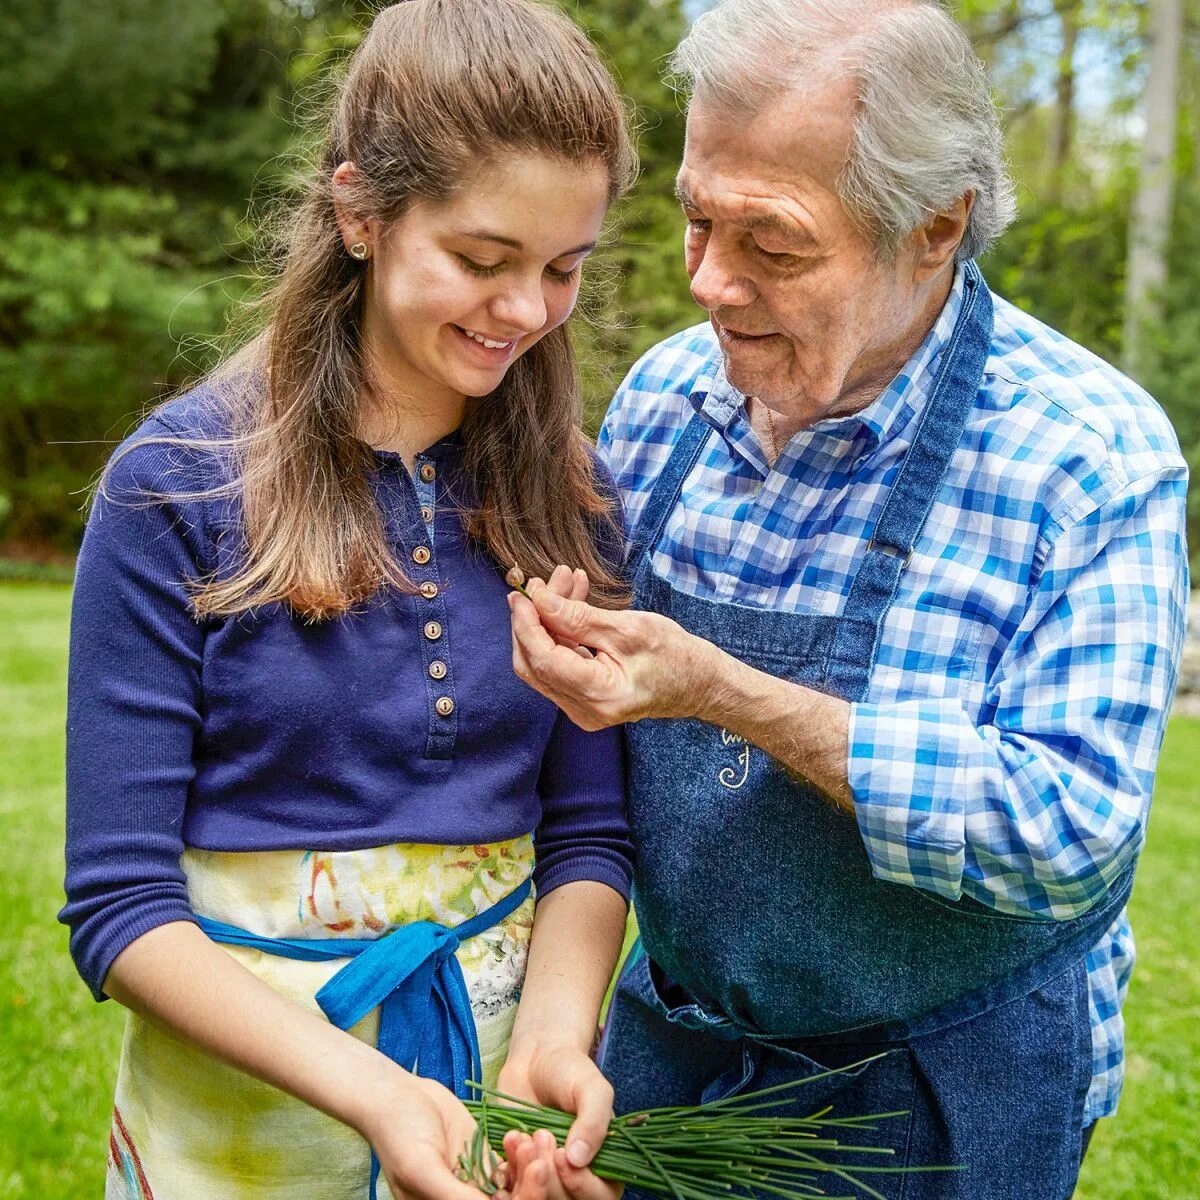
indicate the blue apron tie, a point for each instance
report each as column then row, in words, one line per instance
column 412, row 977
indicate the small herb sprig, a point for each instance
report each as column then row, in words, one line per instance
column 723, row 1150
column 515, row 578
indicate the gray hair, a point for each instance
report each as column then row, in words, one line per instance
column 926, row 130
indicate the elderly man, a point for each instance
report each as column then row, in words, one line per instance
column 911, row 580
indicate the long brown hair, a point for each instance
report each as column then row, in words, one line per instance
column 436, row 89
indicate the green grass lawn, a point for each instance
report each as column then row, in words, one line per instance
column 58, row 1049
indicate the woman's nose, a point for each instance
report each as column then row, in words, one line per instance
column 521, row 307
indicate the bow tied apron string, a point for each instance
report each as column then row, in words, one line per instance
column 412, row 977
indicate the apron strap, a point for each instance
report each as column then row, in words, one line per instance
column 911, row 497
column 412, row 977
column 683, row 457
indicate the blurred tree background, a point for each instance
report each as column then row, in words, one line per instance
column 136, row 133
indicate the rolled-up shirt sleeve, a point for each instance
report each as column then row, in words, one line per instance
column 1038, row 808
column 133, row 709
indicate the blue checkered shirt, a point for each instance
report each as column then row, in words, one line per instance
column 1007, row 744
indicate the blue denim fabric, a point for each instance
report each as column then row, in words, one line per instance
column 1000, row 1096
column 782, row 952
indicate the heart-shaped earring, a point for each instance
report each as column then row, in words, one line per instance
column 359, row 251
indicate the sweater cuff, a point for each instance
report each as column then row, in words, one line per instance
column 96, row 950
column 596, row 868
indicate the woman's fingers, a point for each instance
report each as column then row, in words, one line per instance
column 593, row 1113
column 424, row 1175
column 546, row 1147
column 531, row 1170
column 579, row 1183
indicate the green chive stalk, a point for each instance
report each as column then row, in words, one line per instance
column 728, row 1149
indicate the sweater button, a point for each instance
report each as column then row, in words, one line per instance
column 437, row 669
column 426, row 514
column 428, row 472
column 433, row 630
column 444, row 705
column 421, row 555
column 429, row 589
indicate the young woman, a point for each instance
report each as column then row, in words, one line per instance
column 304, row 785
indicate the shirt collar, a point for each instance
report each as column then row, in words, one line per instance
column 720, row 404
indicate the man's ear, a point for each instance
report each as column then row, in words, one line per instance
column 936, row 242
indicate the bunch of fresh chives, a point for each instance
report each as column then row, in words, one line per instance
column 723, row 1150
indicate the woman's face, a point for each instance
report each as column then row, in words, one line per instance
column 458, row 290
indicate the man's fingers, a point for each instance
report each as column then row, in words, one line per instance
column 542, row 662
column 580, row 584
column 566, row 583
column 521, row 665
column 561, row 581
column 570, row 618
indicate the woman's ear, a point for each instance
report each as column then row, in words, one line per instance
column 357, row 232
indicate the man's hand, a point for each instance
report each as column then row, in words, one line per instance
column 603, row 668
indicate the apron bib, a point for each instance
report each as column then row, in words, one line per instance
column 188, row 1127
column 764, row 927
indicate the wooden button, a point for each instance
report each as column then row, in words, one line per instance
column 437, row 669
column 428, row 472
column 444, row 705
column 429, row 589
column 421, row 555
column 426, row 514
column 433, row 630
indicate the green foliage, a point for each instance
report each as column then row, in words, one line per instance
column 140, row 130
column 137, row 131
column 134, row 133
column 1175, row 377
column 1067, row 267
column 649, row 297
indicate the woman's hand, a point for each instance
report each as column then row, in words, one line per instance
column 559, row 1076
column 418, row 1130
column 540, row 1170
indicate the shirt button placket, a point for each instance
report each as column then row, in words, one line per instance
column 431, row 604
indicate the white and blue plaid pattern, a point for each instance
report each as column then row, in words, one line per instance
column 1007, row 746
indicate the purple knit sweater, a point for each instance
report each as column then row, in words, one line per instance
column 402, row 722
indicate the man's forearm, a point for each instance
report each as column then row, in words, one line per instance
column 806, row 730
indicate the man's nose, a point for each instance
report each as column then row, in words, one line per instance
column 717, row 281
column 521, row 306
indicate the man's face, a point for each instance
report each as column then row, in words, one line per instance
column 808, row 320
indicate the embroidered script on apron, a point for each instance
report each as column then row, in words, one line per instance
column 733, row 777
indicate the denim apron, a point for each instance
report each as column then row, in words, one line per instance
column 772, row 952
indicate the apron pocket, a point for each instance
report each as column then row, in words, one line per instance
column 858, row 1089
